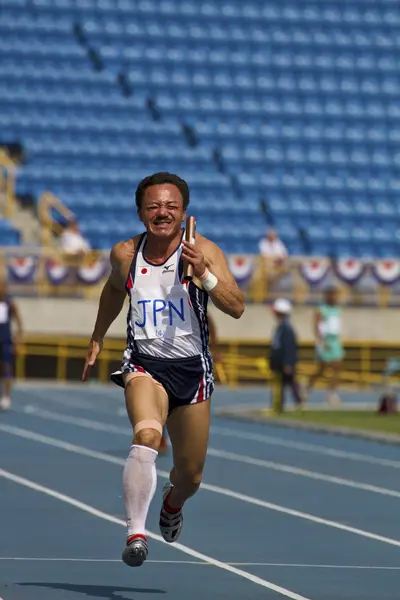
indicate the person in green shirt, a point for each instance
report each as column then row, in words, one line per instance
column 328, row 346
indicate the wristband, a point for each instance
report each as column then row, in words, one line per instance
column 208, row 280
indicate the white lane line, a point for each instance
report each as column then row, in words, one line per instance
column 79, row 421
column 366, row 487
column 202, row 563
column 240, row 458
column 304, row 447
column 185, row 549
column 30, row 435
column 71, row 402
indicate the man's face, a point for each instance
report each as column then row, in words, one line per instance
column 162, row 211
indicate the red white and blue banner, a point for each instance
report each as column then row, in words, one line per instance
column 350, row 270
column 242, row 267
column 92, row 272
column 22, row 269
column 56, row 271
column 315, row 270
column 386, row 272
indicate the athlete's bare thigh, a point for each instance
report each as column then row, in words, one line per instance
column 145, row 399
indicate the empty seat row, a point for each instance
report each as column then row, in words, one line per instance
column 45, row 74
column 119, row 52
column 57, row 127
column 350, row 13
column 31, row 23
column 71, row 154
column 363, row 208
column 260, row 85
column 354, row 134
column 324, row 180
column 39, row 49
column 223, row 104
column 208, row 178
column 94, row 99
column 317, row 155
column 220, row 32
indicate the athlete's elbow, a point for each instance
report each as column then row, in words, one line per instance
column 238, row 310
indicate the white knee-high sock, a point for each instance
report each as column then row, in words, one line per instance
column 139, row 480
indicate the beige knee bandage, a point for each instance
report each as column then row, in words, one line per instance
column 148, row 424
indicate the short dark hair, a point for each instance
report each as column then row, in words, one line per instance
column 159, row 179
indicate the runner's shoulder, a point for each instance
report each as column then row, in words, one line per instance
column 207, row 246
column 124, row 251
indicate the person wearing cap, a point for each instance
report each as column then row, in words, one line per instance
column 283, row 357
column 328, row 345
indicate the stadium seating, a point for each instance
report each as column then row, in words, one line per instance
column 9, row 236
column 290, row 105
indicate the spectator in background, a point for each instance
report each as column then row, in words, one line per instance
column 8, row 342
column 72, row 242
column 328, row 345
column 274, row 257
column 283, row 357
column 273, row 249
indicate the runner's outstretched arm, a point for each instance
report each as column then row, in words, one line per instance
column 112, row 297
column 110, row 305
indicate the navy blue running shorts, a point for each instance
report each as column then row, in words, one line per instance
column 186, row 380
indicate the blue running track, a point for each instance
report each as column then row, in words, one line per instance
column 281, row 513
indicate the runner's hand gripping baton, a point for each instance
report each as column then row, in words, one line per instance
column 190, row 233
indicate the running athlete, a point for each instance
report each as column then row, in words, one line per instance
column 8, row 313
column 329, row 349
column 167, row 370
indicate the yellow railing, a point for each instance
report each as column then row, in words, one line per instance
column 62, row 358
column 7, row 185
column 50, row 226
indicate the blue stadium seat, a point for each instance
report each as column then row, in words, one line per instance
column 295, row 104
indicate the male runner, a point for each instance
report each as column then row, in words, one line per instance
column 167, row 369
column 329, row 349
column 8, row 313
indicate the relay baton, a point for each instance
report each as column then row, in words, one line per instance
column 190, row 233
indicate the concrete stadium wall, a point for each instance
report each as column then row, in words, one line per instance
column 77, row 317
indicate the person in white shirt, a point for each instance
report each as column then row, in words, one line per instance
column 72, row 241
column 273, row 257
column 271, row 246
